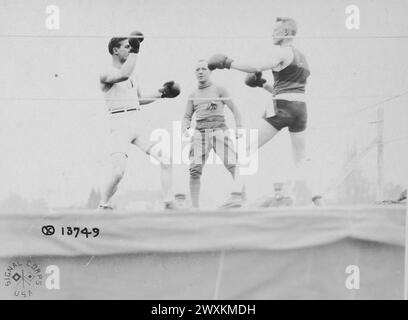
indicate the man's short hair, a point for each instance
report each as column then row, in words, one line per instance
column 115, row 43
column 289, row 23
column 202, row 60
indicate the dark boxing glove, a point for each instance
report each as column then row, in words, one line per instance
column 136, row 37
column 254, row 80
column 219, row 61
column 170, row 90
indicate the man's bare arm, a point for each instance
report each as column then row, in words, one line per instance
column 149, row 98
column 269, row 64
column 268, row 87
column 170, row 89
column 273, row 59
column 122, row 74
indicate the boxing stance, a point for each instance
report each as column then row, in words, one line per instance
column 290, row 71
column 127, row 120
column 207, row 103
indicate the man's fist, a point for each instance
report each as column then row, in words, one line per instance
column 219, row 61
column 170, row 90
column 135, row 38
column 255, row 80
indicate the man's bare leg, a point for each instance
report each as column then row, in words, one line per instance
column 118, row 162
column 265, row 132
column 298, row 140
column 303, row 165
column 166, row 168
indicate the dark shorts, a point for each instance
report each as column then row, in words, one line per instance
column 291, row 114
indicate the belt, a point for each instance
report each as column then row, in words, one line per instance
column 123, row 110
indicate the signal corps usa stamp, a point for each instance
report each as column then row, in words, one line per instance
column 23, row 278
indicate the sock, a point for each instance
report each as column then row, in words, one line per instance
column 195, row 191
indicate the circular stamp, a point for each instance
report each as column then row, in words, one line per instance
column 23, row 278
column 48, row 230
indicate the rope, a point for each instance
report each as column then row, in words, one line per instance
column 105, row 36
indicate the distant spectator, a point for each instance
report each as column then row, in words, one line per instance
column 403, row 196
column 279, row 199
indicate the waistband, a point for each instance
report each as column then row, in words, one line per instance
column 123, row 110
column 290, row 96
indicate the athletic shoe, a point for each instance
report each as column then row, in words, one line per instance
column 103, row 207
column 170, row 205
column 317, row 201
column 236, row 200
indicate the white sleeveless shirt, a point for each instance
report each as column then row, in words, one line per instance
column 122, row 95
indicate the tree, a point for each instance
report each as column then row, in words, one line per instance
column 356, row 188
column 38, row 205
column 14, row 203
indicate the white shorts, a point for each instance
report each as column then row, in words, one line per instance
column 125, row 127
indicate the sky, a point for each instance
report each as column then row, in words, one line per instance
column 53, row 121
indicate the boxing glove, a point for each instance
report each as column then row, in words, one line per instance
column 219, row 61
column 136, row 37
column 170, row 90
column 254, row 80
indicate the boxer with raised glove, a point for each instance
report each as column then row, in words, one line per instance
column 127, row 121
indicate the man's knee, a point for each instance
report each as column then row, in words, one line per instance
column 166, row 161
column 231, row 168
column 162, row 155
column 118, row 173
column 196, row 171
column 118, row 165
